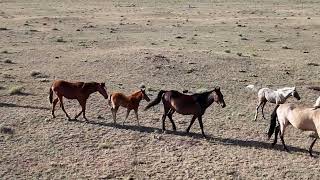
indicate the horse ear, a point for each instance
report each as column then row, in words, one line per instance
column 217, row 88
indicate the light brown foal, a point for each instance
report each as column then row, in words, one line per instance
column 74, row 90
column 130, row 102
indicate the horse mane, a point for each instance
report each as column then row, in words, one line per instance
column 202, row 97
column 285, row 89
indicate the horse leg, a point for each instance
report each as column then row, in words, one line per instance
column 128, row 112
column 137, row 117
column 114, row 113
column 263, row 104
column 201, row 126
column 282, row 128
column 62, row 106
column 170, row 113
column 276, row 135
column 311, row 146
column 83, row 109
column 257, row 108
column 83, row 105
column 164, row 117
column 54, row 103
column 192, row 121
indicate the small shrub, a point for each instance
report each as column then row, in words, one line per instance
column 227, row 51
column 8, row 61
column 239, row 54
column 106, row 145
column 6, row 130
column 35, row 73
column 16, row 90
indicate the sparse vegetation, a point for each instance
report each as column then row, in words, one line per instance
column 8, row 61
column 6, row 130
column 16, row 90
column 157, row 43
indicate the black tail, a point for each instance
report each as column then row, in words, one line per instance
column 50, row 95
column 273, row 122
column 155, row 101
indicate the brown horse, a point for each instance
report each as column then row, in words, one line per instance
column 303, row 118
column 195, row 105
column 75, row 90
column 130, row 102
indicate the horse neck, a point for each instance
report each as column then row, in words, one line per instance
column 137, row 96
column 210, row 100
column 92, row 90
column 285, row 93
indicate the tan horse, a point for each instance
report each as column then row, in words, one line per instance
column 130, row 102
column 74, row 90
column 303, row 118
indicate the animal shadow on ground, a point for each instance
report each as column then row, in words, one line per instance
column 22, row 106
column 224, row 141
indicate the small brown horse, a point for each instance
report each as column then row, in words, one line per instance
column 195, row 105
column 75, row 90
column 130, row 102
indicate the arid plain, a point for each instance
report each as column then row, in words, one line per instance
column 181, row 45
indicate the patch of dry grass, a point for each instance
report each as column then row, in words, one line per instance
column 15, row 90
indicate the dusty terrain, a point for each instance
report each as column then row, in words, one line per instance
column 182, row 45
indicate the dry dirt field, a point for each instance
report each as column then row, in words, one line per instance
column 179, row 44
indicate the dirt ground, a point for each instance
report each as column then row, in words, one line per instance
column 181, row 45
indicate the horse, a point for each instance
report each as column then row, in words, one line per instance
column 303, row 118
column 130, row 102
column 276, row 97
column 195, row 104
column 74, row 90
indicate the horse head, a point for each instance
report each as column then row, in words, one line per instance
column 144, row 95
column 218, row 97
column 295, row 93
column 102, row 90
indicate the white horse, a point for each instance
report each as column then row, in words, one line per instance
column 276, row 97
column 317, row 104
column 303, row 118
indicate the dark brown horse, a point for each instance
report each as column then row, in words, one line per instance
column 130, row 102
column 75, row 90
column 195, row 105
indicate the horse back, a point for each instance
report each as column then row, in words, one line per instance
column 70, row 90
column 119, row 99
column 303, row 118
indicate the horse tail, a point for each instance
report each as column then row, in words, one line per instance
column 273, row 122
column 155, row 101
column 50, row 95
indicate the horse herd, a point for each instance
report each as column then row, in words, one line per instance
column 304, row 118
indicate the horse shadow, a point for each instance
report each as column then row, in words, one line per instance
column 210, row 139
column 22, row 106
